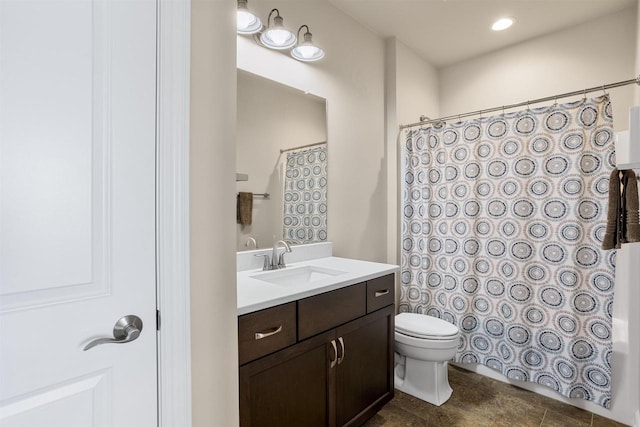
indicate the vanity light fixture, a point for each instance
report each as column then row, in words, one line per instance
column 502, row 24
column 276, row 36
column 306, row 51
column 248, row 22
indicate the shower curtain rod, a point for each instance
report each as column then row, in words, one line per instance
column 522, row 104
column 302, row 146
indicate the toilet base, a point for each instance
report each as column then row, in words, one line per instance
column 428, row 381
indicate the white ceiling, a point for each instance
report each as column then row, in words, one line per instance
column 444, row 32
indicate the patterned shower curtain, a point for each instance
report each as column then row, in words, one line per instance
column 305, row 196
column 503, row 219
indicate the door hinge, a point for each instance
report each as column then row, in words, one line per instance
column 157, row 320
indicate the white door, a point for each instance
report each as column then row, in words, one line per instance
column 77, row 211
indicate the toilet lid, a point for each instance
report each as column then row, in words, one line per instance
column 422, row 326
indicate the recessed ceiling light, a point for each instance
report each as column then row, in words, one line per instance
column 502, row 24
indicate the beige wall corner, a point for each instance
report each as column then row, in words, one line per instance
column 212, row 214
column 391, row 147
column 411, row 90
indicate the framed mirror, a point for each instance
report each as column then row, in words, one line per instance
column 281, row 164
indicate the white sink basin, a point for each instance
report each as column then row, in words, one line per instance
column 297, row 276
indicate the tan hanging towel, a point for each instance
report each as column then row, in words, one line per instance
column 244, row 208
column 622, row 216
column 630, row 223
column 611, row 238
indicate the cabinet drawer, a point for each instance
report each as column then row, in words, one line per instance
column 266, row 331
column 380, row 292
column 322, row 312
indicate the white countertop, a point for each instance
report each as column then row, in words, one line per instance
column 254, row 294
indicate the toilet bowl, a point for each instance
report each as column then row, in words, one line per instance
column 423, row 345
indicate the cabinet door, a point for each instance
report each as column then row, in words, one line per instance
column 290, row 387
column 364, row 380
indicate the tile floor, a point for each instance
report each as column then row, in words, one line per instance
column 478, row 401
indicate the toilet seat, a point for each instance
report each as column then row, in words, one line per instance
column 424, row 327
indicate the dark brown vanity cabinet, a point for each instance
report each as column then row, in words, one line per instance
column 338, row 371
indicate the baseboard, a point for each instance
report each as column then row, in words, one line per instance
column 636, row 419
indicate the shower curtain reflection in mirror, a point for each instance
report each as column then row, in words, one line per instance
column 305, row 196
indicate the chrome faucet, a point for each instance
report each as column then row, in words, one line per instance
column 276, row 261
column 280, row 259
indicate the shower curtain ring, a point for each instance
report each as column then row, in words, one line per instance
column 604, row 90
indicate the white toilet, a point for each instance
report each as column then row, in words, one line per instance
column 423, row 345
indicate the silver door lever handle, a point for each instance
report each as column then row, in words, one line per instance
column 126, row 329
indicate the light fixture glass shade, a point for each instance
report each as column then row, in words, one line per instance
column 307, row 51
column 277, row 36
column 248, row 23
